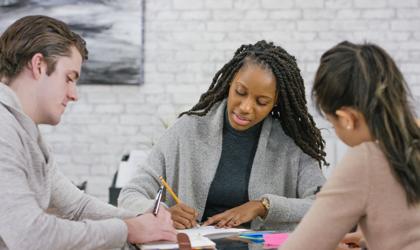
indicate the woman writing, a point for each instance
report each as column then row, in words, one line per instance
column 247, row 152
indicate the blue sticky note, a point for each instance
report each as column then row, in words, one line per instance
column 252, row 238
column 257, row 237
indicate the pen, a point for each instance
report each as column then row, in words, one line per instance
column 171, row 192
column 158, row 200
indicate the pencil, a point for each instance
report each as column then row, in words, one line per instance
column 171, row 192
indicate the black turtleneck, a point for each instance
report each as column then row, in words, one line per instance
column 229, row 187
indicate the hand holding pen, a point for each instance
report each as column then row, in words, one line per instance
column 154, row 226
column 182, row 215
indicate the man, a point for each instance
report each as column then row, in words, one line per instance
column 40, row 63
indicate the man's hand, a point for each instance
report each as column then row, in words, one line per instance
column 238, row 215
column 183, row 216
column 147, row 227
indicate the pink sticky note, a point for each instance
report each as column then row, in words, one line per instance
column 275, row 240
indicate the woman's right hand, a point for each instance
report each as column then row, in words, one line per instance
column 183, row 216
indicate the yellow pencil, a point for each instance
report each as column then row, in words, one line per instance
column 171, row 192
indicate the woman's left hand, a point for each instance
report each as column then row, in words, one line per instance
column 237, row 215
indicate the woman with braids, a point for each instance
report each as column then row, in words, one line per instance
column 363, row 94
column 247, row 154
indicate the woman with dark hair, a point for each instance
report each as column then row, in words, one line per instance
column 248, row 151
column 363, row 94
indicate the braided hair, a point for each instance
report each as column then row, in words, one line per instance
column 290, row 109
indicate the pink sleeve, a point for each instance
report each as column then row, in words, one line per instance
column 338, row 207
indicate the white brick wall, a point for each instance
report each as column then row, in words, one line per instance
column 186, row 41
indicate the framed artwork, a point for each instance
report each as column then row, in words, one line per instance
column 113, row 30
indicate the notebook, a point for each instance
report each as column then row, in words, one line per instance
column 197, row 241
column 275, row 240
column 199, row 238
column 213, row 232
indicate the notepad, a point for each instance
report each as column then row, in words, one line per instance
column 213, row 232
column 197, row 241
column 199, row 237
column 275, row 240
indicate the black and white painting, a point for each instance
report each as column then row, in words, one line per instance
column 113, row 30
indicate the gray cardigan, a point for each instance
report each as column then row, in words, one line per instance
column 188, row 153
column 31, row 187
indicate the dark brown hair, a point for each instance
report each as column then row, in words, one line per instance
column 36, row 34
column 290, row 110
column 367, row 79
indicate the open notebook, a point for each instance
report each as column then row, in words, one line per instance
column 213, row 232
column 199, row 237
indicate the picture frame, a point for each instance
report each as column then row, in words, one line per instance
column 113, row 30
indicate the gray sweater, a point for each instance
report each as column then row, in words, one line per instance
column 31, row 187
column 188, row 154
